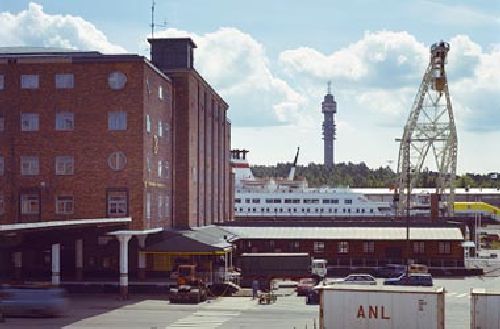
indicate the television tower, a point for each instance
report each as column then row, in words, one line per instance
column 329, row 109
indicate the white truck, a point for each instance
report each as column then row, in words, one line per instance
column 485, row 309
column 380, row 307
column 319, row 268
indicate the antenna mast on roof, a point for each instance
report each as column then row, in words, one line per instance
column 152, row 25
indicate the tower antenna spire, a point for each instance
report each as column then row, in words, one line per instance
column 153, row 3
column 329, row 87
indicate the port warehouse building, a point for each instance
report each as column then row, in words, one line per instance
column 101, row 154
column 350, row 245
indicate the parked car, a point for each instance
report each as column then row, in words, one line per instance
column 414, row 279
column 305, row 285
column 418, row 268
column 312, row 297
column 391, row 271
column 30, row 301
column 363, row 279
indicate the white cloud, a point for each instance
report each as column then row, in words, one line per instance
column 365, row 62
column 35, row 28
column 236, row 65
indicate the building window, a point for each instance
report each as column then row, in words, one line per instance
column 166, row 169
column 444, row 247
column 29, row 81
column 160, row 206
column 319, row 246
column 64, row 205
column 30, row 166
column 117, row 203
column 368, row 247
column 160, row 92
column 29, row 122
column 418, row 247
column 148, row 123
column 343, row 247
column 65, row 121
column 347, row 201
column 148, row 205
column 160, row 167
column 30, row 204
column 160, row 129
column 148, row 86
column 2, row 165
column 2, row 82
column 2, row 122
column 117, row 161
column 166, row 206
column 65, row 165
column 117, row 80
column 2, row 205
column 117, row 120
column 148, row 163
column 65, row 81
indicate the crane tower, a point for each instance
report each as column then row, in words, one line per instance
column 429, row 132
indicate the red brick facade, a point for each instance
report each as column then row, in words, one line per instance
column 202, row 178
column 89, row 141
column 337, row 252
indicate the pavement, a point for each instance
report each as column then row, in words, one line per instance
column 289, row 311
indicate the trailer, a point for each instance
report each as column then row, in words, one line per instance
column 380, row 307
column 485, row 309
column 265, row 266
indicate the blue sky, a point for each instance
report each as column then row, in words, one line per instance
column 270, row 60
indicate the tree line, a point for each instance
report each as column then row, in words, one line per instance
column 357, row 175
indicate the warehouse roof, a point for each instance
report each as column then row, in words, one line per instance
column 346, row 233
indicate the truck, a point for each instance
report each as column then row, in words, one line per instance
column 190, row 287
column 319, row 268
column 363, row 307
column 265, row 266
column 485, row 309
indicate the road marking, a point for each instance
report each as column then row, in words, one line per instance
column 214, row 314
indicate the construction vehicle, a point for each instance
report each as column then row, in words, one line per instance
column 190, row 287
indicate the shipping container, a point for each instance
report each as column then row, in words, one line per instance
column 381, row 307
column 485, row 309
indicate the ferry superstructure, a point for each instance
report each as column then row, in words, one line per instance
column 292, row 197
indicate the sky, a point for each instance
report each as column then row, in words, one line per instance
column 271, row 60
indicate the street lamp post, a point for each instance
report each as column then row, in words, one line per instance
column 408, row 198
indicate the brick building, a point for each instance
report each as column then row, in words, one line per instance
column 85, row 136
column 96, row 146
column 202, row 135
column 349, row 245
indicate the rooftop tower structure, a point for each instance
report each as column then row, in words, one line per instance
column 329, row 109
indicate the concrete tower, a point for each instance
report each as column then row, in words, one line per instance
column 329, row 108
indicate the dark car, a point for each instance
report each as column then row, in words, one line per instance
column 29, row 301
column 312, row 297
column 414, row 279
column 305, row 285
column 391, row 271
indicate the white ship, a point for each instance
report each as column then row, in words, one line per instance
column 275, row 197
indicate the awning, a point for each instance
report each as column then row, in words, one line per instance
column 62, row 224
column 209, row 240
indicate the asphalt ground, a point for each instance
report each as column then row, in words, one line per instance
column 289, row 311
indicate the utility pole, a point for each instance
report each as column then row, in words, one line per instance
column 408, row 200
